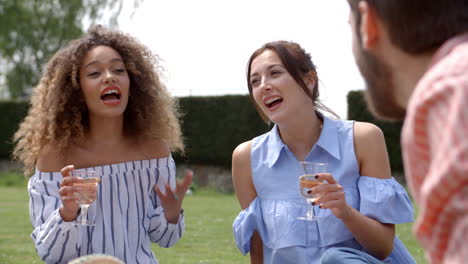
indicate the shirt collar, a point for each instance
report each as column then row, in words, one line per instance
column 275, row 146
column 328, row 141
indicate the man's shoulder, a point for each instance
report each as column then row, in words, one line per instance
column 451, row 60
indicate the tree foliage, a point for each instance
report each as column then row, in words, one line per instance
column 32, row 30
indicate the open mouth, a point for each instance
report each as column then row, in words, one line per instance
column 273, row 101
column 111, row 95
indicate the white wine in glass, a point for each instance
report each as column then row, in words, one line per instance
column 86, row 193
column 307, row 182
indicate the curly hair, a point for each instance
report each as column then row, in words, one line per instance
column 58, row 114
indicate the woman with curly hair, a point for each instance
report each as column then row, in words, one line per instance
column 101, row 106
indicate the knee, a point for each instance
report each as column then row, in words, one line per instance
column 338, row 255
column 333, row 256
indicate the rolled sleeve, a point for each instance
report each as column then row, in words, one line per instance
column 246, row 223
column 164, row 233
column 55, row 240
column 384, row 200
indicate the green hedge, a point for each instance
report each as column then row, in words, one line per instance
column 214, row 126
column 357, row 110
column 11, row 114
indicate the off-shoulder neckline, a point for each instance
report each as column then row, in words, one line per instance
column 125, row 166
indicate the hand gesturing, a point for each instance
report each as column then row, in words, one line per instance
column 171, row 201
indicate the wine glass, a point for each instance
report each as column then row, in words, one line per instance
column 86, row 193
column 307, row 181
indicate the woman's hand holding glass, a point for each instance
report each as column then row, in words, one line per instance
column 307, row 181
column 78, row 189
column 331, row 196
column 69, row 208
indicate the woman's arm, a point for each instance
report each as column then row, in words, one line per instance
column 245, row 192
column 55, row 239
column 167, row 223
column 371, row 154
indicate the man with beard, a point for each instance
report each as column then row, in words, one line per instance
column 413, row 55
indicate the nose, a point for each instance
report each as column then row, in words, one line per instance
column 109, row 77
column 265, row 85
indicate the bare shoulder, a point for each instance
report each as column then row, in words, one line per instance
column 155, row 148
column 363, row 130
column 242, row 174
column 242, row 151
column 367, row 136
column 50, row 159
column 241, row 160
column 371, row 151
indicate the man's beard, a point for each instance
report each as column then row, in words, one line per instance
column 380, row 89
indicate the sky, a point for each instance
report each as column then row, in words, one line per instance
column 204, row 45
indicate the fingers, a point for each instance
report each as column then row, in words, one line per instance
column 69, row 181
column 158, row 192
column 331, row 204
column 187, row 179
column 169, row 192
column 327, row 177
column 67, row 190
column 182, row 187
column 167, row 195
column 326, row 188
column 180, row 190
column 66, row 171
column 330, row 197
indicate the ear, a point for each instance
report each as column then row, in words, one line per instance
column 369, row 26
column 310, row 80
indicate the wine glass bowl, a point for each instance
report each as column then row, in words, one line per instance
column 307, row 182
column 86, row 193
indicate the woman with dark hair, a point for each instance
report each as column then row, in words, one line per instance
column 100, row 106
column 359, row 203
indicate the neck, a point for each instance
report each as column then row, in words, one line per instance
column 410, row 69
column 105, row 133
column 300, row 134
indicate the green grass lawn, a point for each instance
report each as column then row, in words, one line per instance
column 208, row 237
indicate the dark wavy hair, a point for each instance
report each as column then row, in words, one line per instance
column 298, row 63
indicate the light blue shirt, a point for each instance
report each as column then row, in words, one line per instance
column 275, row 173
column 128, row 215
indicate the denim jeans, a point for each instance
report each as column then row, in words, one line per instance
column 343, row 255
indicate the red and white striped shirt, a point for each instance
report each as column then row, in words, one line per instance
column 435, row 152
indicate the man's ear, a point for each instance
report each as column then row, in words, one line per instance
column 369, row 26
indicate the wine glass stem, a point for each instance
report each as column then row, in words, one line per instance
column 310, row 209
column 84, row 213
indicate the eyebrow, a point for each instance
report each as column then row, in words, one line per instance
column 95, row 62
column 269, row 67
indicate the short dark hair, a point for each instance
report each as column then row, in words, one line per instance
column 418, row 26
